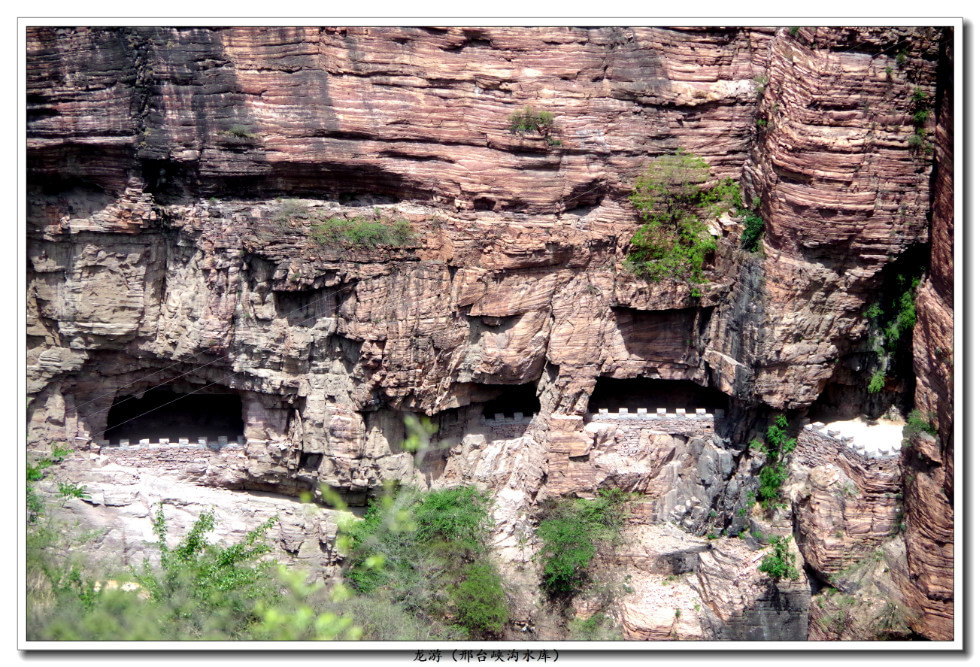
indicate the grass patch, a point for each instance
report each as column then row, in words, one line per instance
column 240, row 133
column 529, row 120
column 362, row 233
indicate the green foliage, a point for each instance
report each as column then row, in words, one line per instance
column 900, row 59
column 200, row 590
column 299, row 614
column 35, row 472
column 873, row 312
column 242, row 132
column 752, row 234
column 479, row 601
column 529, row 120
column 920, row 114
column 598, row 627
column 761, row 82
column 570, row 530
column 672, row 200
column 198, row 579
column 427, row 553
column 362, row 233
column 915, row 424
column 773, row 473
column 778, row 563
column 893, row 319
column 459, row 516
column 794, row 30
column 70, row 490
column 877, row 382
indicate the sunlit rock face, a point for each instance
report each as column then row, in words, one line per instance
column 179, row 178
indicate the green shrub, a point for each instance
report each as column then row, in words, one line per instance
column 70, row 490
column 916, row 424
column 479, row 601
column 459, row 515
column 672, row 200
column 893, row 318
column 773, row 473
column 427, row 553
column 570, row 531
column 362, row 233
column 752, row 234
column 529, row 120
column 778, row 563
column 794, row 30
column 200, row 590
column 198, row 579
column 877, row 382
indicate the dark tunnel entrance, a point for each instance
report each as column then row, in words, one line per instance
column 162, row 413
column 521, row 398
column 613, row 394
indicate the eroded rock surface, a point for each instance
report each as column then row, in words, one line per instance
column 178, row 179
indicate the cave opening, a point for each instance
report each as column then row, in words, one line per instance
column 612, row 394
column 521, row 398
column 163, row 413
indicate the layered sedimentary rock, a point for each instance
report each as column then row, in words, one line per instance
column 929, row 488
column 178, row 177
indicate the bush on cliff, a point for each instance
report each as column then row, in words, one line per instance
column 673, row 201
column 778, row 563
column 777, row 447
column 570, row 531
column 427, row 553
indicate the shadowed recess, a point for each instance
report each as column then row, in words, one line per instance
column 613, row 394
column 520, row 398
column 162, row 413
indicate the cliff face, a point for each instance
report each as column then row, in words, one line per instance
column 178, row 178
column 930, row 460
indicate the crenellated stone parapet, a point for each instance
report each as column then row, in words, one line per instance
column 698, row 421
column 506, row 427
column 220, row 442
column 818, row 430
